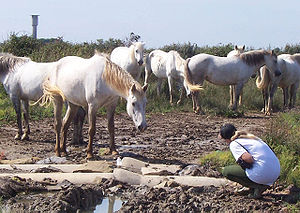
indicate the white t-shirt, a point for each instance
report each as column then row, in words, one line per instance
column 266, row 167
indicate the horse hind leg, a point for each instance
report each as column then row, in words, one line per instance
column 170, row 89
column 181, row 95
column 17, row 107
column 57, row 105
column 231, row 93
column 69, row 116
column 25, row 106
column 78, row 124
column 158, row 89
column 293, row 94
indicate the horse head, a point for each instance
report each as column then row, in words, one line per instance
column 271, row 63
column 139, row 52
column 237, row 50
column 136, row 106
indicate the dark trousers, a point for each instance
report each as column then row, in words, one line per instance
column 237, row 174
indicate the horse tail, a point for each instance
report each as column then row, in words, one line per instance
column 50, row 93
column 263, row 79
column 188, row 78
column 148, row 63
column 148, row 69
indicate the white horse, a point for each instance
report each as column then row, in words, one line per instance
column 289, row 79
column 22, row 79
column 129, row 58
column 227, row 70
column 168, row 66
column 92, row 83
column 237, row 51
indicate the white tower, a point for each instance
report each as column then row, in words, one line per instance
column 34, row 25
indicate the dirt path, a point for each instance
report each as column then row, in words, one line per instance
column 179, row 138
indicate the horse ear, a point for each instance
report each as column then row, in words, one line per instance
column 145, row 87
column 133, row 88
column 235, row 47
column 272, row 52
column 244, row 47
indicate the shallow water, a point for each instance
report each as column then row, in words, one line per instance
column 109, row 205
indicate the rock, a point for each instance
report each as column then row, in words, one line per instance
column 20, row 161
column 96, row 166
column 53, row 159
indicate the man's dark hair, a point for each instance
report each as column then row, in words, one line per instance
column 227, row 131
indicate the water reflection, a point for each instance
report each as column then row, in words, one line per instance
column 109, row 205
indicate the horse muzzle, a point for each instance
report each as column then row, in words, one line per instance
column 277, row 73
column 140, row 62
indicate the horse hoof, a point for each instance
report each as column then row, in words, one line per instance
column 115, row 153
column 17, row 137
column 89, row 156
column 63, row 153
column 25, row 137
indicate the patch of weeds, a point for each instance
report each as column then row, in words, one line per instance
column 230, row 113
column 102, row 151
column 218, row 159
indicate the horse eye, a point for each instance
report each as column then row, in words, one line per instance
column 133, row 104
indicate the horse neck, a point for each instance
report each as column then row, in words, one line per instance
column 117, row 79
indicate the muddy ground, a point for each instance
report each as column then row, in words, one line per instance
column 177, row 138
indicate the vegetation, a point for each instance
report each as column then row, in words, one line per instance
column 284, row 134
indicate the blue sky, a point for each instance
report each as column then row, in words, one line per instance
column 255, row 23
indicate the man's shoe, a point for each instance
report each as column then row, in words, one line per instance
column 258, row 191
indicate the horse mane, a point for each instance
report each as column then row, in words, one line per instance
column 254, row 57
column 296, row 57
column 119, row 79
column 9, row 61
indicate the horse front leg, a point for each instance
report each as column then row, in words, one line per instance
column 78, row 124
column 111, row 129
column 17, row 107
column 231, row 94
column 25, row 106
column 69, row 116
column 238, row 89
column 57, row 105
column 92, row 129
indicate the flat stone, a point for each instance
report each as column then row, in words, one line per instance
column 20, row 161
column 95, row 167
